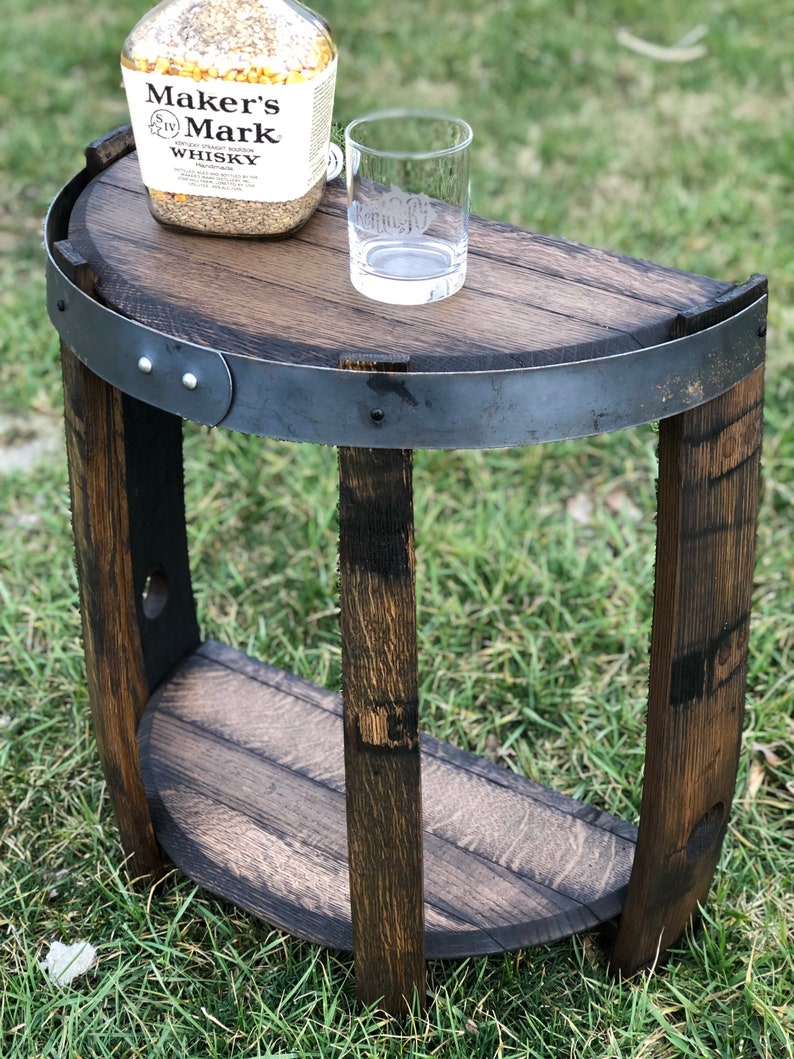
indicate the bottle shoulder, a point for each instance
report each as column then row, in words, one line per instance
column 261, row 41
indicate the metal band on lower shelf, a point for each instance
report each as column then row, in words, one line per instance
column 432, row 410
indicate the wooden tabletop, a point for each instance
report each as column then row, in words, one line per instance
column 529, row 299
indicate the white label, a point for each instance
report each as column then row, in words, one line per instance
column 264, row 143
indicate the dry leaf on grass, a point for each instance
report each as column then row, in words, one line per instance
column 580, row 508
column 769, row 754
column 755, row 780
column 620, row 503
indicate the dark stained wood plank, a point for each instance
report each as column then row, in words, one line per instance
column 380, row 695
column 115, row 670
column 709, row 471
column 138, row 617
column 109, row 149
column 528, row 298
column 157, row 537
column 131, row 556
column 244, row 768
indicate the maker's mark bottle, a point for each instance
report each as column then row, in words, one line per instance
column 231, row 104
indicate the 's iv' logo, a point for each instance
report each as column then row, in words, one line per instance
column 164, row 124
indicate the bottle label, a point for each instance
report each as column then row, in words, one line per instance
column 262, row 143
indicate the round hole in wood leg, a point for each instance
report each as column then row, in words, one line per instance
column 155, row 594
column 705, row 833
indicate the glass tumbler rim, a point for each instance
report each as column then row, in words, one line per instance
column 398, row 112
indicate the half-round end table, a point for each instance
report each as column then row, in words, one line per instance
column 327, row 815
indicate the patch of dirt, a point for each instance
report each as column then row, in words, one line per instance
column 26, row 441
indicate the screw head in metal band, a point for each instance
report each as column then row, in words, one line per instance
column 145, row 365
column 189, row 380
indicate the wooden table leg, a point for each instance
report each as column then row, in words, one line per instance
column 709, row 466
column 125, row 471
column 380, row 699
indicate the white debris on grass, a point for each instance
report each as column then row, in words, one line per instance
column 64, row 963
column 687, row 50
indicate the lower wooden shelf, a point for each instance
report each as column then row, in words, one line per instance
column 243, row 768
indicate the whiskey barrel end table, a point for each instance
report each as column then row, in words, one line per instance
column 327, row 815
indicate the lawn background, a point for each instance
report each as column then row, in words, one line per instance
column 535, row 565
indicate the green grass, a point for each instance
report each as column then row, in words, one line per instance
column 535, row 565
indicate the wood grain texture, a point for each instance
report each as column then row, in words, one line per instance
column 117, row 686
column 138, row 617
column 380, row 695
column 109, row 149
column 709, row 466
column 244, row 768
column 131, row 556
column 528, row 298
column 115, row 671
